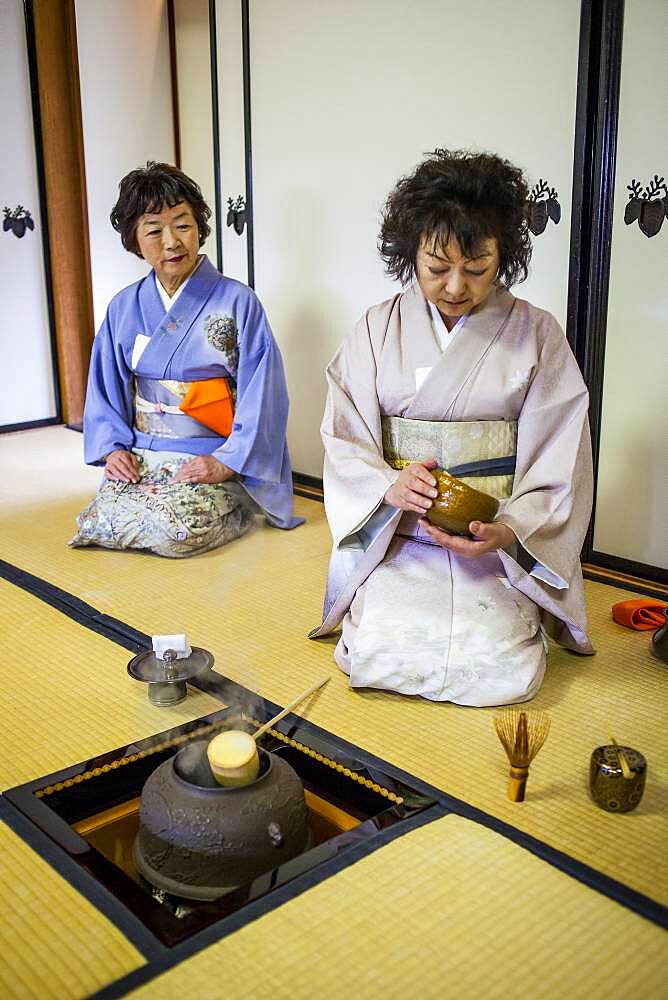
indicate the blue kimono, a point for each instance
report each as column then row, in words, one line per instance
column 216, row 329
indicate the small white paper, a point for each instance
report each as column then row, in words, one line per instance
column 178, row 643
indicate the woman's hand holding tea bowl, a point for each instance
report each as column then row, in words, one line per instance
column 486, row 538
column 415, row 487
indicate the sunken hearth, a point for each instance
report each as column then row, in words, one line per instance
column 91, row 812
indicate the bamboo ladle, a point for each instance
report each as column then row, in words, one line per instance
column 623, row 759
column 233, row 755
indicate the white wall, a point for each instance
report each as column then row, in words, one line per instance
column 25, row 351
column 193, row 69
column 346, row 97
column 632, row 501
column 126, row 103
column 231, row 105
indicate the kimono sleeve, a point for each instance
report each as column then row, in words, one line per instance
column 256, row 448
column 356, row 476
column 551, row 501
column 108, row 412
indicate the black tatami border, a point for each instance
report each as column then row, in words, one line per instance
column 76, row 609
column 171, row 957
column 159, row 958
column 92, row 890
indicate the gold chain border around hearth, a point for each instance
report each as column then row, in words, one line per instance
column 59, row 786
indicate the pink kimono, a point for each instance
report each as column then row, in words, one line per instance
column 417, row 618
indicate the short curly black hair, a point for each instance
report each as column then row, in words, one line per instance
column 472, row 197
column 150, row 189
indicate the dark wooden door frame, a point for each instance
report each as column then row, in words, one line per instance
column 52, row 47
column 595, row 156
column 597, row 109
column 44, row 236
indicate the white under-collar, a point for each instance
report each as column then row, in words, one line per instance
column 441, row 332
column 169, row 300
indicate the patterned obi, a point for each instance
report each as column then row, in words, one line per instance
column 158, row 411
column 479, row 452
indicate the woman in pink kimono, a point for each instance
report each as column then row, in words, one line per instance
column 455, row 372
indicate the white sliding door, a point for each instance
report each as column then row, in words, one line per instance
column 193, row 70
column 632, row 500
column 345, row 98
column 126, row 108
column 232, row 140
column 25, row 342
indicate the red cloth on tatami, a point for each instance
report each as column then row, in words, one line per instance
column 643, row 613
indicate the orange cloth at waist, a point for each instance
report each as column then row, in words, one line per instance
column 210, row 401
column 642, row 613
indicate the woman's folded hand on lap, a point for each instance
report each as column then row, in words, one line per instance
column 122, row 465
column 204, row 469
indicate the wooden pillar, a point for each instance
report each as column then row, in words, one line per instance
column 57, row 61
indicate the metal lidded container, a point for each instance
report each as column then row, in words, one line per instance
column 609, row 788
column 166, row 678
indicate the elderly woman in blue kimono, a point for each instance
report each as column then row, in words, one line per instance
column 187, row 405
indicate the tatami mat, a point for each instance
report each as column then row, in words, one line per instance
column 54, row 944
column 66, row 695
column 252, row 604
column 449, row 910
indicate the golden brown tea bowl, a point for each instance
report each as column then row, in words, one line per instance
column 457, row 504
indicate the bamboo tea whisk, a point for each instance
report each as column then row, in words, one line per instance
column 522, row 733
